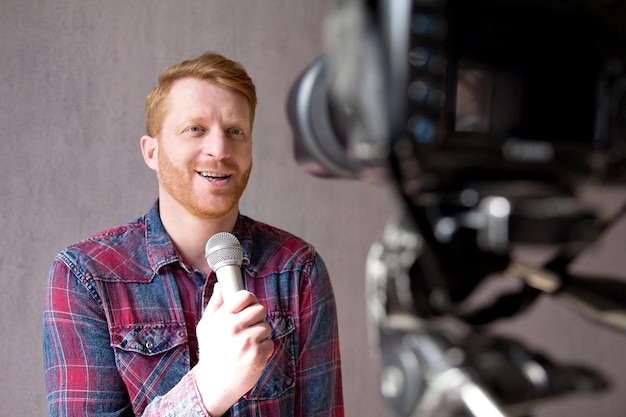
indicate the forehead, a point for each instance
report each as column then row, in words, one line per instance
column 191, row 95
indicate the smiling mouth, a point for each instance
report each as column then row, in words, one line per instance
column 213, row 176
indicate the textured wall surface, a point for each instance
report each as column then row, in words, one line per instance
column 73, row 78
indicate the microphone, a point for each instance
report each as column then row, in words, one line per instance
column 224, row 254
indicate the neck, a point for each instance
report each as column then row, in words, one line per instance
column 189, row 232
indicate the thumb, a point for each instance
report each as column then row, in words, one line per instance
column 215, row 301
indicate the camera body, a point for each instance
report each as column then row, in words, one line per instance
column 484, row 89
column 529, row 88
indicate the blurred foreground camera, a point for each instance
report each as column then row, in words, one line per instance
column 514, row 87
column 486, row 116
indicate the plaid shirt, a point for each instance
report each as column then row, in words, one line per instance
column 120, row 316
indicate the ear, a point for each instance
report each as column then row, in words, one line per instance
column 150, row 151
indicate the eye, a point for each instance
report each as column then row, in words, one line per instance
column 194, row 130
column 236, row 131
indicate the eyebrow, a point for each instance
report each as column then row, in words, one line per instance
column 240, row 122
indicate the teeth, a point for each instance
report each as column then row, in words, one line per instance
column 207, row 174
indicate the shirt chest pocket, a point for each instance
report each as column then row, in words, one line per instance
column 144, row 354
column 279, row 374
column 148, row 339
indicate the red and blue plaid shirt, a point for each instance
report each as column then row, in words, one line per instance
column 120, row 316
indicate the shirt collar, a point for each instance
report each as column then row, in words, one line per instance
column 243, row 233
column 159, row 246
column 161, row 250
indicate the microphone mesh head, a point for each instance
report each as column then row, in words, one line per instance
column 223, row 249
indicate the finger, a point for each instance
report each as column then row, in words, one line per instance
column 265, row 332
column 240, row 301
column 250, row 316
column 266, row 346
column 261, row 341
column 260, row 331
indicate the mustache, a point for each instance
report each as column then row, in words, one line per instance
column 228, row 167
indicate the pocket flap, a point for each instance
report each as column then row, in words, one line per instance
column 281, row 324
column 148, row 339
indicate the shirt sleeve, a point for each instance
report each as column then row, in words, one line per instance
column 81, row 375
column 319, row 381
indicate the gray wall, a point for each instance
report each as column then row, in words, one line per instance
column 73, row 78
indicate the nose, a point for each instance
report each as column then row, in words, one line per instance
column 216, row 144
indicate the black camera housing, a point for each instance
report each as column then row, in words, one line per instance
column 484, row 89
column 517, row 89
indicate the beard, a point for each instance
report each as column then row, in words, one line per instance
column 209, row 204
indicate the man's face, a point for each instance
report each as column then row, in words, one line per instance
column 204, row 150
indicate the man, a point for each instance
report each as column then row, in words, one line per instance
column 127, row 328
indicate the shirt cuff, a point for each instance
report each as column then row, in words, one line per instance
column 182, row 400
column 196, row 391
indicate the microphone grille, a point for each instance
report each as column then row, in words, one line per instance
column 223, row 249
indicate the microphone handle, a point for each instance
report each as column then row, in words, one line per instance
column 229, row 277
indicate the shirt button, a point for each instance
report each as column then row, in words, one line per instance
column 149, row 344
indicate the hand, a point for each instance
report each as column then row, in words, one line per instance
column 235, row 345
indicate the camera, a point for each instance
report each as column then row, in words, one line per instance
column 517, row 88
column 486, row 116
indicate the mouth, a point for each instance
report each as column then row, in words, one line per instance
column 213, row 176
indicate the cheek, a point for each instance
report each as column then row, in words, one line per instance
column 246, row 155
column 168, row 163
column 248, row 159
column 176, row 154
